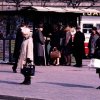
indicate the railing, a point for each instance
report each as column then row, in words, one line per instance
column 7, row 50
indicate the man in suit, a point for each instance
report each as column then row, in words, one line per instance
column 78, row 48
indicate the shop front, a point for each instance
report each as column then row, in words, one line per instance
column 11, row 20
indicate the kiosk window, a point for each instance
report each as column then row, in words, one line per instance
column 87, row 28
column 87, row 25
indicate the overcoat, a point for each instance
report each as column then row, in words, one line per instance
column 18, row 42
column 26, row 51
column 97, row 53
column 39, row 43
column 78, row 49
column 92, row 43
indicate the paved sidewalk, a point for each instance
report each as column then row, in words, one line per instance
column 51, row 83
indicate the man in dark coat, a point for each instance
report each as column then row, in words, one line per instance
column 39, row 42
column 18, row 42
column 97, row 56
column 55, row 38
column 92, row 41
column 78, row 47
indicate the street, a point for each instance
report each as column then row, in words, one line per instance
column 51, row 83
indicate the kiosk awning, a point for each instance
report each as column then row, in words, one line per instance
column 64, row 9
column 74, row 10
column 90, row 11
column 57, row 9
column 39, row 8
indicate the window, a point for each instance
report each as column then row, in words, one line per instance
column 87, row 28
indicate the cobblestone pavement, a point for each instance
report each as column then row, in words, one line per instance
column 51, row 83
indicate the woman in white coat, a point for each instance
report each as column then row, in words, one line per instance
column 26, row 53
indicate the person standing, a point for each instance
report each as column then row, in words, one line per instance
column 26, row 54
column 55, row 38
column 78, row 47
column 67, row 45
column 97, row 56
column 39, row 43
column 18, row 42
column 54, row 41
column 92, row 42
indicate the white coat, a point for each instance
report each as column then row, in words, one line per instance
column 26, row 52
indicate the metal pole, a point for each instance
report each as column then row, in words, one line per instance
column 44, row 55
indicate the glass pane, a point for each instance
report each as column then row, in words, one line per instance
column 87, row 25
column 84, row 30
column 90, row 31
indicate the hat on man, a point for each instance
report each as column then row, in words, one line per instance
column 94, row 28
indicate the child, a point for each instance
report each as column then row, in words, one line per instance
column 55, row 56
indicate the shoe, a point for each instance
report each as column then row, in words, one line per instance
column 68, row 64
column 27, row 81
column 23, row 82
column 14, row 70
column 77, row 65
column 56, row 64
column 98, row 87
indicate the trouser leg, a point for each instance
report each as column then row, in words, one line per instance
column 78, row 60
column 27, row 80
column 69, row 59
column 15, row 66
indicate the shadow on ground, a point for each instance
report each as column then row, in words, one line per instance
column 6, row 97
column 68, row 85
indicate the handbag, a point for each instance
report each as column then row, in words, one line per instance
column 28, row 69
column 55, row 54
column 94, row 63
